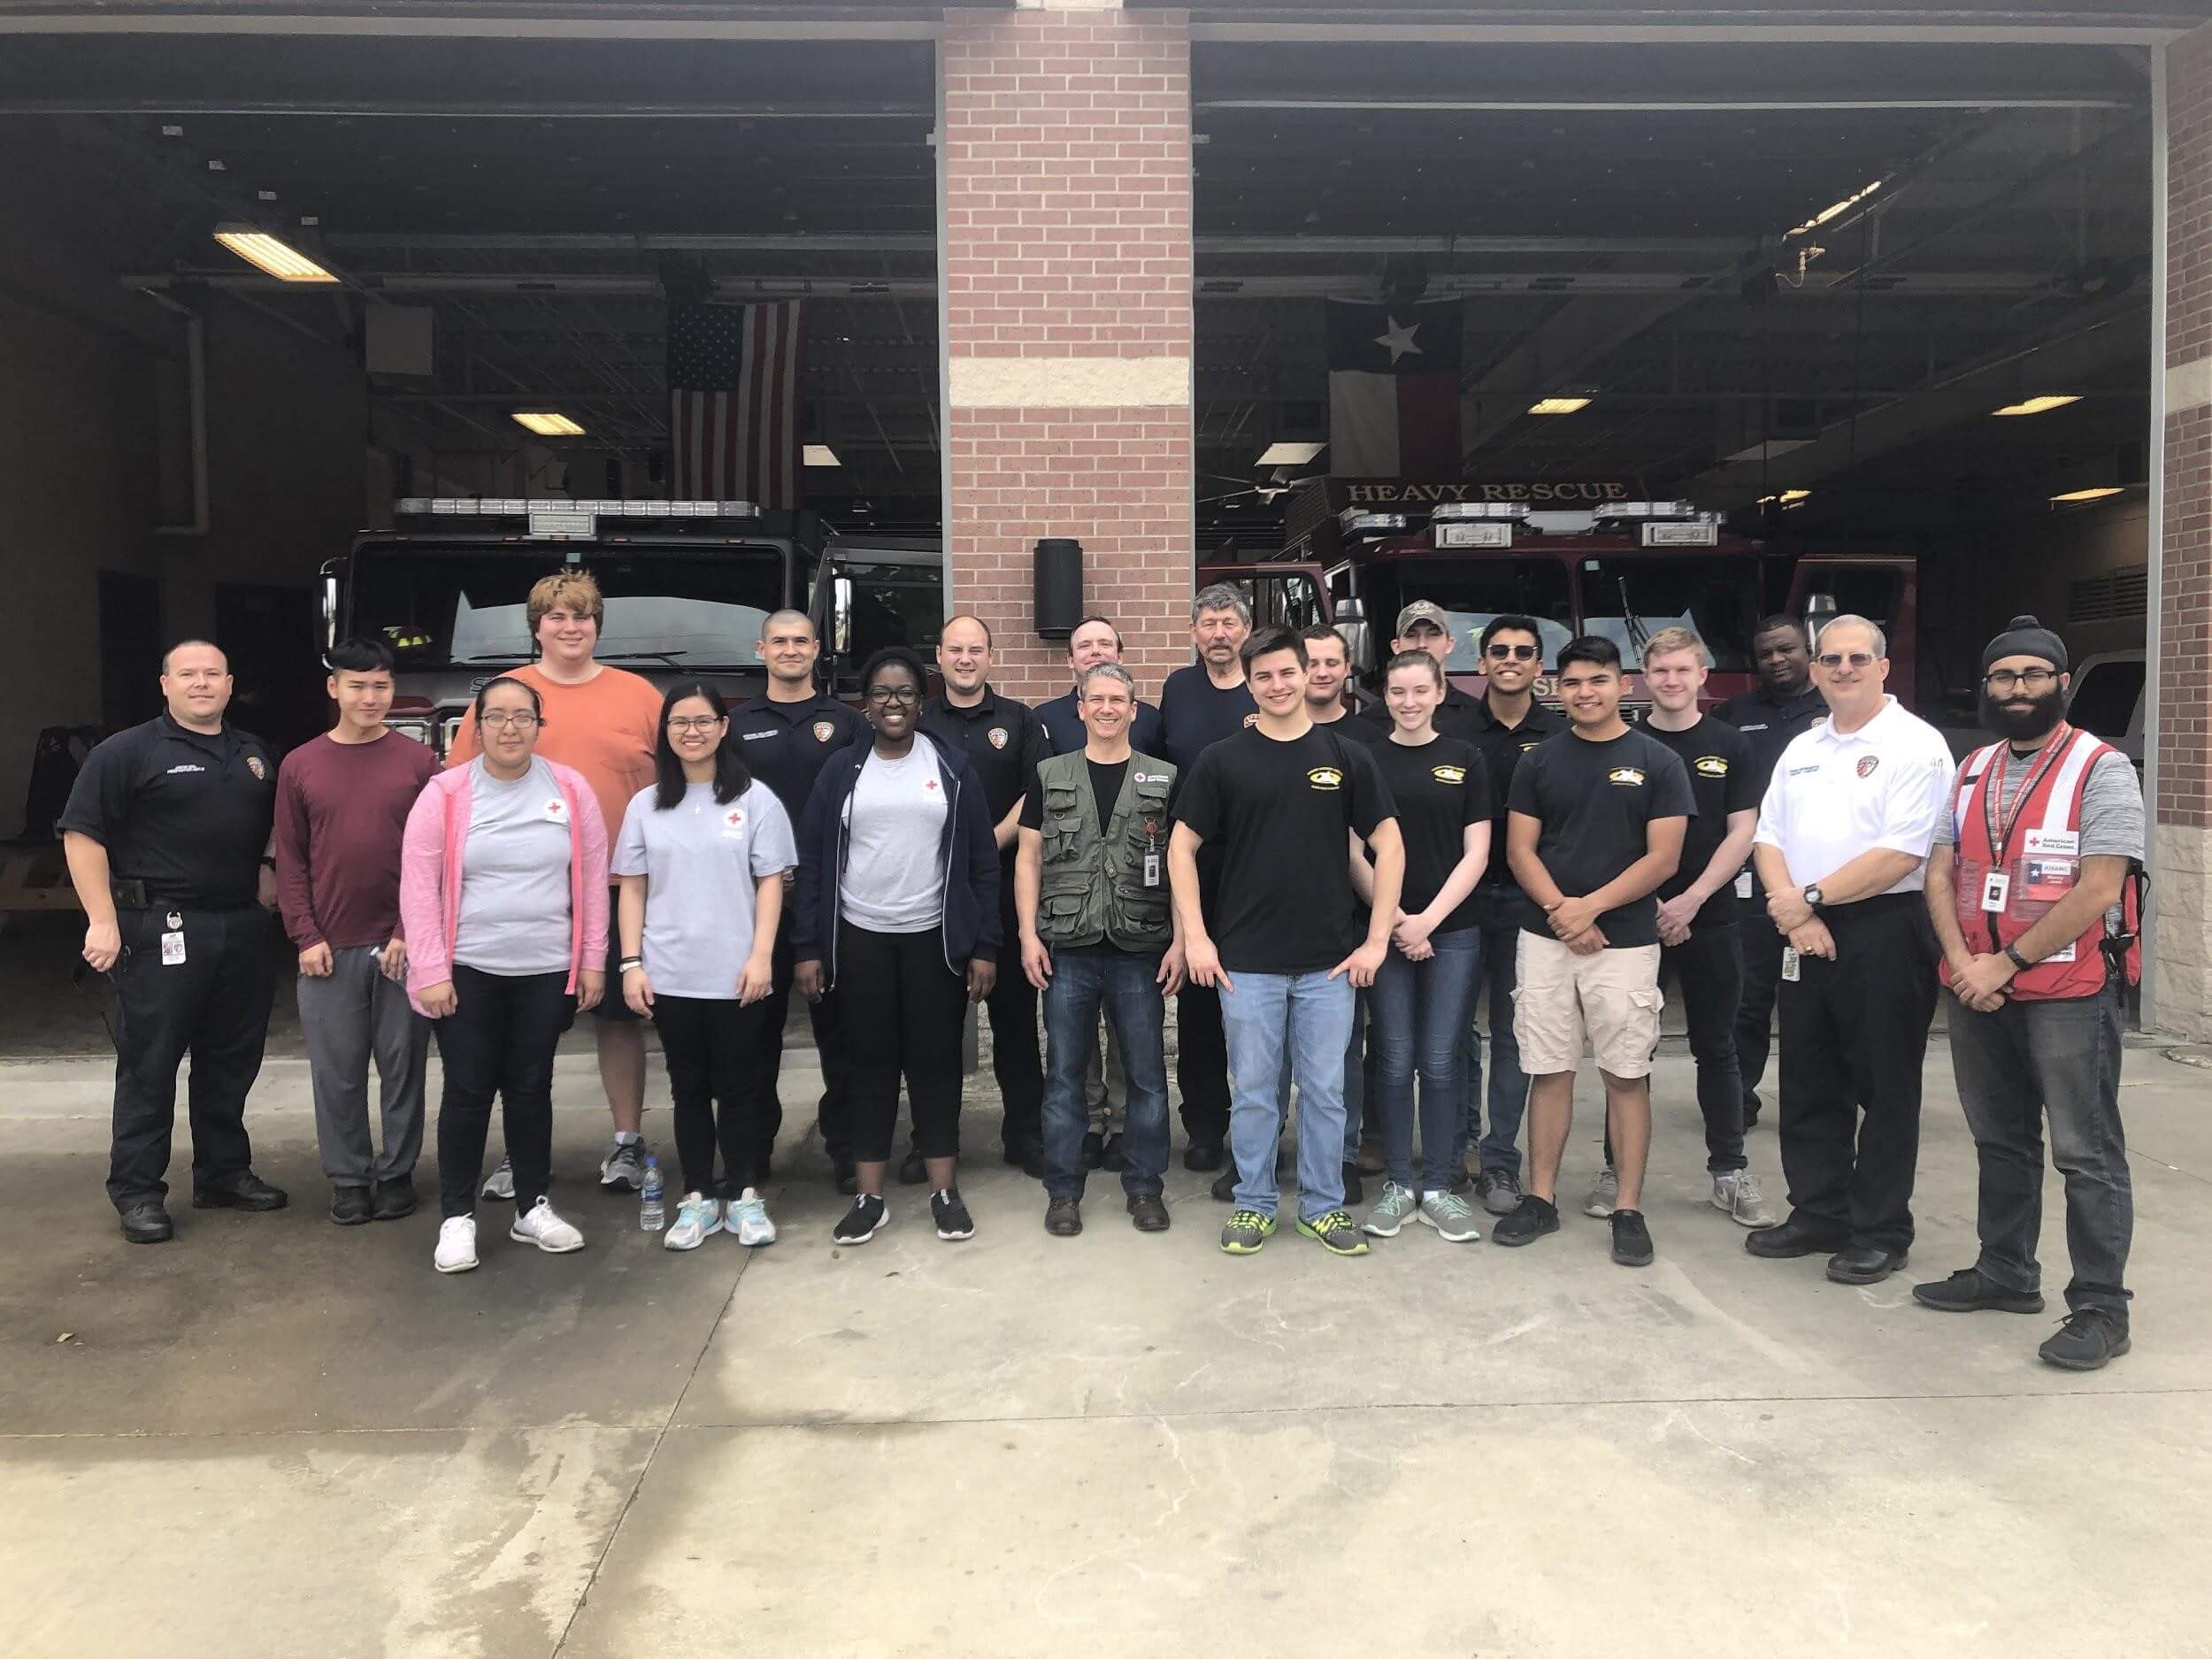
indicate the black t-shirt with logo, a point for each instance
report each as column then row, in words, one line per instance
column 186, row 812
column 1723, row 779
column 1502, row 747
column 1278, row 812
column 1440, row 787
column 1596, row 802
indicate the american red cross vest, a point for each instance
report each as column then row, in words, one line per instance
column 2002, row 889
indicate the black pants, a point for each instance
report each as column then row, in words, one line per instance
column 1201, row 1065
column 720, row 1095
column 1015, row 1061
column 916, row 1007
column 1854, row 1031
column 498, row 1041
column 214, row 1006
column 836, row 1136
column 1761, row 949
column 1708, row 968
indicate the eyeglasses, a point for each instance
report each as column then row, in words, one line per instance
column 693, row 722
column 1837, row 659
column 2004, row 680
column 1519, row 653
column 499, row 719
column 894, row 694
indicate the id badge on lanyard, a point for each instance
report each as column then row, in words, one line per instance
column 1151, row 853
column 1997, row 885
column 173, row 940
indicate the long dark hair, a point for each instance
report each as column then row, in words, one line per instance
column 732, row 777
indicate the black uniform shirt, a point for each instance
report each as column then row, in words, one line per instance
column 1771, row 722
column 1194, row 712
column 1360, row 731
column 1501, row 747
column 1458, row 716
column 1718, row 757
column 1065, row 732
column 187, row 813
column 1002, row 742
column 785, row 744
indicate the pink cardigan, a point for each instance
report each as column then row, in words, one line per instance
column 430, row 877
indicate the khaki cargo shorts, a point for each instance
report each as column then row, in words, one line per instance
column 1612, row 995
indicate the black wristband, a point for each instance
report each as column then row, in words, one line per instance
column 628, row 963
column 2013, row 956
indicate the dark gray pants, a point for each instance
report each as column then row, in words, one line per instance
column 2015, row 1067
column 346, row 1019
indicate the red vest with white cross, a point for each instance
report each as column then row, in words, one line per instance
column 2007, row 882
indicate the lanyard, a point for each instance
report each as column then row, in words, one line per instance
column 2000, row 836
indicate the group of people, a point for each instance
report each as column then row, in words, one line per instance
column 1328, row 897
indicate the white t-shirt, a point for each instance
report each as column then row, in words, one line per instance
column 894, row 839
column 700, row 860
column 1836, row 794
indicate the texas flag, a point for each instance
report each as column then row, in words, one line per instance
column 1394, row 388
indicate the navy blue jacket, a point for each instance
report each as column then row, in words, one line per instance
column 967, row 860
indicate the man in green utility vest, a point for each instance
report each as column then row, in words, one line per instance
column 1091, row 896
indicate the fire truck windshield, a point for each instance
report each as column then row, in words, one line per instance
column 1472, row 592
column 455, row 605
column 1628, row 600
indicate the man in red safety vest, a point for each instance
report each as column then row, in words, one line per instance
column 2034, row 889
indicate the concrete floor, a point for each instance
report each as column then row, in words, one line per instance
column 278, row 1437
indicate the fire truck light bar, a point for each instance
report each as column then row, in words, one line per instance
column 1356, row 521
column 1636, row 509
column 1462, row 510
column 517, row 507
column 1661, row 534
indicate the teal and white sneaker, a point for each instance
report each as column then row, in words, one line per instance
column 1452, row 1216
column 1391, row 1212
column 747, row 1220
column 696, row 1216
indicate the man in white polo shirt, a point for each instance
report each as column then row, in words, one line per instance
column 1842, row 850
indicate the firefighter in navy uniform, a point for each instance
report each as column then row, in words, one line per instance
column 167, row 838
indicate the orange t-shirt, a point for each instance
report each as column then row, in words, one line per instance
column 605, row 728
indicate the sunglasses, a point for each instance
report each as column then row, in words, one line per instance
column 1837, row 659
column 1518, row 653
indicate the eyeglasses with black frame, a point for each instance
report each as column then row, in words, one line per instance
column 693, row 722
column 521, row 719
column 894, row 694
column 2001, row 680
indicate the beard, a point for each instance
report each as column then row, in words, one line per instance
column 2021, row 725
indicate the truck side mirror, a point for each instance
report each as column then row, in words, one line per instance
column 1351, row 621
column 841, row 615
column 330, row 610
column 1820, row 610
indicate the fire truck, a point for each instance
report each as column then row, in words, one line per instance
column 687, row 586
column 1579, row 558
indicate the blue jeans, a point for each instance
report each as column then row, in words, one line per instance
column 1309, row 1015
column 1355, row 1081
column 1126, row 983
column 1420, row 1013
column 1509, row 1087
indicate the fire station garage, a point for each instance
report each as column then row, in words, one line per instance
column 1863, row 309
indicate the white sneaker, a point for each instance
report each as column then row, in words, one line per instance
column 696, row 1218
column 546, row 1229
column 748, row 1220
column 1738, row 1197
column 1605, row 1192
column 456, row 1245
column 501, row 1182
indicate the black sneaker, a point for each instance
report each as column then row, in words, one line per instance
column 1064, row 1218
column 953, row 1220
column 861, row 1222
column 247, row 1192
column 1202, row 1157
column 2090, row 1339
column 1632, row 1239
column 912, row 1170
column 1355, row 1189
column 394, row 1200
column 350, row 1206
column 1966, row 1291
column 1225, row 1187
column 1531, row 1220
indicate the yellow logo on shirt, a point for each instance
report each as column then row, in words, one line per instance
column 1448, row 774
column 1711, row 765
column 1326, row 778
column 1627, row 776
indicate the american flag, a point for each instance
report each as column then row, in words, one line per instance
column 733, row 402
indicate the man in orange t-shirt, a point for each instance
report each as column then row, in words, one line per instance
column 604, row 722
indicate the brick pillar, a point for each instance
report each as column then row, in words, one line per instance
column 2181, row 941
column 1064, row 166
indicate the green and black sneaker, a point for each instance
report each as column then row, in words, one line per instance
column 1336, row 1232
column 1246, row 1231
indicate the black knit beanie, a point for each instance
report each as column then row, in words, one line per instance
column 2025, row 636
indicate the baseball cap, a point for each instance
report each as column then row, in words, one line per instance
column 1423, row 610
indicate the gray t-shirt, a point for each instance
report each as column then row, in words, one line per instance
column 700, row 860
column 514, row 875
column 893, row 838
column 2111, row 811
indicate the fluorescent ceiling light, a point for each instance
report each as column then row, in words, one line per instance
column 258, row 247
column 1289, row 454
column 1844, row 206
column 1559, row 406
column 818, row 455
column 2088, row 495
column 548, row 424
column 1787, row 498
column 2041, row 406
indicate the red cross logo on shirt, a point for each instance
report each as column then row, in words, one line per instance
column 733, row 818
column 930, row 784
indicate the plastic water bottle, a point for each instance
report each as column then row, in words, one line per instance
column 652, row 1213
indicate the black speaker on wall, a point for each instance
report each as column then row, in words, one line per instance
column 1059, row 586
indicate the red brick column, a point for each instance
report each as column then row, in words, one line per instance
column 2181, row 834
column 1064, row 161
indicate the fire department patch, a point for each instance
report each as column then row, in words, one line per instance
column 824, row 730
column 997, row 734
column 1866, row 764
column 1251, row 719
column 256, row 765
column 1711, row 765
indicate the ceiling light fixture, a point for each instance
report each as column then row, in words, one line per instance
column 546, row 424
column 2074, row 496
column 1290, row 454
column 818, row 455
column 263, row 251
column 2041, row 406
column 1559, row 406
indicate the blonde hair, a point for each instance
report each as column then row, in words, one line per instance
column 1667, row 641
column 566, row 590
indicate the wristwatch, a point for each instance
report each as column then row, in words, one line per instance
column 1812, row 896
column 628, row 963
column 2013, row 956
